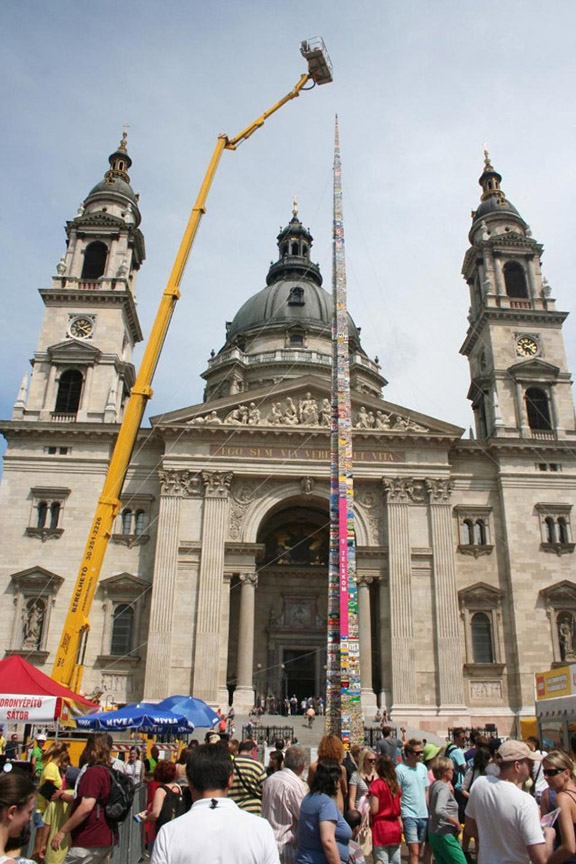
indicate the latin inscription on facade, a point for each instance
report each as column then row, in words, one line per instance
column 321, row 454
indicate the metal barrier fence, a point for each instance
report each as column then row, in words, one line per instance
column 130, row 848
column 372, row 734
column 267, row 734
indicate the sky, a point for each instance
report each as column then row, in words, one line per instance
column 419, row 87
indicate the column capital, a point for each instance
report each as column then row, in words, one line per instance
column 217, row 483
column 365, row 579
column 248, row 578
column 179, row 483
column 396, row 489
column 439, row 489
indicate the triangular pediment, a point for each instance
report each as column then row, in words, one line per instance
column 561, row 593
column 72, row 351
column 534, row 368
column 480, row 594
column 122, row 583
column 304, row 403
column 38, row 579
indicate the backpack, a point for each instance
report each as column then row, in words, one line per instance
column 120, row 798
column 172, row 806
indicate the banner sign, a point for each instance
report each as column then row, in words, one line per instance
column 27, row 709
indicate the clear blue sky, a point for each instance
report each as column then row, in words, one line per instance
column 419, row 87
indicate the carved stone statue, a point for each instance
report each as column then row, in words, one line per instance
column 362, row 419
column 238, row 416
column 382, row 420
column 275, row 416
column 33, row 619
column 290, row 414
column 326, row 413
column 253, row 415
column 566, row 637
column 308, row 411
column 61, row 266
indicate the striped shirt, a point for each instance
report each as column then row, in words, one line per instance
column 246, row 790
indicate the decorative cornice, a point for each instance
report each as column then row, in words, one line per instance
column 45, row 533
column 558, row 548
column 180, row 483
column 475, row 549
column 130, row 540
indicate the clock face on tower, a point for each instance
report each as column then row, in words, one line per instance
column 81, row 327
column 526, row 346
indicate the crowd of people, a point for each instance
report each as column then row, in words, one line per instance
column 510, row 802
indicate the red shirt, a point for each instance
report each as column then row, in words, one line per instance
column 386, row 830
column 94, row 831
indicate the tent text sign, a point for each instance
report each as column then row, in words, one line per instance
column 29, row 709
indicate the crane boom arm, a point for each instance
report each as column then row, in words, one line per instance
column 69, row 660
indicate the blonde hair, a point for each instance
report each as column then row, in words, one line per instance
column 366, row 752
column 441, row 765
column 559, row 759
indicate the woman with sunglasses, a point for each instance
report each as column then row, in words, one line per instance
column 558, row 769
column 358, row 795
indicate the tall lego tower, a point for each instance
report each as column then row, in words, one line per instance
column 343, row 710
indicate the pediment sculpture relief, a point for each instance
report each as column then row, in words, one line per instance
column 306, row 411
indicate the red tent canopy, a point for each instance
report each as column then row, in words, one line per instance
column 41, row 698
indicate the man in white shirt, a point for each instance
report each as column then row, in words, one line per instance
column 281, row 799
column 215, row 828
column 505, row 819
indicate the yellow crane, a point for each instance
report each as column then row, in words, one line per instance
column 69, row 660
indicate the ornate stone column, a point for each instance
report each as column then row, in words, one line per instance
column 447, row 633
column 174, row 485
column 367, row 695
column 521, row 408
column 397, row 492
column 224, row 635
column 209, row 610
column 244, row 693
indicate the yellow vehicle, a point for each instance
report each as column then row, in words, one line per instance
column 69, row 660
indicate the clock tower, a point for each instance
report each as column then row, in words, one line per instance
column 82, row 369
column 520, row 383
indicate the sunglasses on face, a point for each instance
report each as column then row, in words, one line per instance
column 416, row 752
column 552, row 772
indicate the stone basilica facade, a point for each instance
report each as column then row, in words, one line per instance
column 215, row 581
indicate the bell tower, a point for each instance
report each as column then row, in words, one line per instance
column 520, row 382
column 82, row 369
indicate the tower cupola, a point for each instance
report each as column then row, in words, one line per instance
column 494, row 210
column 114, row 191
column 294, row 244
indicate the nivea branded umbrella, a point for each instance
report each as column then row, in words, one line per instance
column 196, row 711
column 142, row 715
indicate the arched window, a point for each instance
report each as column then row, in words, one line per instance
column 550, row 527
column 126, row 521
column 563, row 535
column 479, row 533
column 482, row 647
column 122, row 630
column 140, row 524
column 42, row 513
column 54, row 514
column 69, row 392
column 295, row 250
column 537, row 409
column 468, row 531
column 515, row 280
column 284, row 249
column 94, row 260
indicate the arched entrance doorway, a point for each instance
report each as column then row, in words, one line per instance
column 291, row 603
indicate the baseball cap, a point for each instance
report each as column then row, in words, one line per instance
column 511, row 751
column 41, row 737
column 214, row 739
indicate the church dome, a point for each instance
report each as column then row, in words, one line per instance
column 288, row 301
column 116, row 182
column 293, row 293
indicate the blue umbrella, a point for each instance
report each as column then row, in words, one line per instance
column 143, row 715
column 195, row 710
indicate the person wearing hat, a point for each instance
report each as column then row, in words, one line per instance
column 505, row 819
column 38, row 754
column 430, row 753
